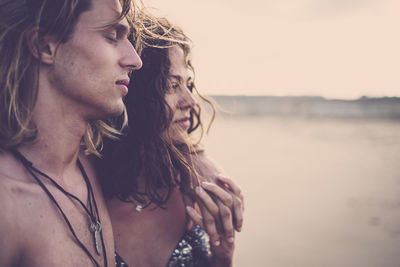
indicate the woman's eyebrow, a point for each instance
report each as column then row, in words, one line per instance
column 177, row 77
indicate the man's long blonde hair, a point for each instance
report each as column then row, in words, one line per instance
column 19, row 69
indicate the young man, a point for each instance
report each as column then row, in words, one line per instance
column 64, row 66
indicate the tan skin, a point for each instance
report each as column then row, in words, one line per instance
column 33, row 231
column 147, row 238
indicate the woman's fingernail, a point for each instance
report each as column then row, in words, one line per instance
column 189, row 209
column 217, row 243
column 230, row 240
column 204, row 184
column 198, row 190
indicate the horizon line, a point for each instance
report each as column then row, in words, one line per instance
column 309, row 96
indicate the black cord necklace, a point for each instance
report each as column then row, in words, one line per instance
column 92, row 211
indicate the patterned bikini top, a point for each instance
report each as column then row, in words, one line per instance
column 193, row 250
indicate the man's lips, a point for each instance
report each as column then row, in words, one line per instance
column 123, row 82
column 123, row 85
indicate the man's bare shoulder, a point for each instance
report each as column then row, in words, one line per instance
column 15, row 182
column 17, row 187
column 11, row 168
column 9, row 213
column 12, row 177
column 8, row 229
column 16, row 191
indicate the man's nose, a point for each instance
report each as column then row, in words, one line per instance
column 131, row 60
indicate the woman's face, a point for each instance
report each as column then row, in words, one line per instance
column 179, row 96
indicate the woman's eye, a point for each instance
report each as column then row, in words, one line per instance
column 175, row 86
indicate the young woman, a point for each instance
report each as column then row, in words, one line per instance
column 155, row 175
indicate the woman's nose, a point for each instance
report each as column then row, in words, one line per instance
column 188, row 100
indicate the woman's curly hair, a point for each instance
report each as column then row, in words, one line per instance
column 144, row 155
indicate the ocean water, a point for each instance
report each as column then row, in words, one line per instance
column 318, row 192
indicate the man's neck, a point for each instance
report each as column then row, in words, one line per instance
column 54, row 151
column 60, row 131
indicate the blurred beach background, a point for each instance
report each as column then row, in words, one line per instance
column 320, row 189
column 312, row 128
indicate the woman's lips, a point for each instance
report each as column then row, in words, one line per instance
column 184, row 123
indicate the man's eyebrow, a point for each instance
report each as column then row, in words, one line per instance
column 119, row 27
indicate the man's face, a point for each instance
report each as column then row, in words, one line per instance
column 90, row 70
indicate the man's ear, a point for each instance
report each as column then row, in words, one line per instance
column 42, row 48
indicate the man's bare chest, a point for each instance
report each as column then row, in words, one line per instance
column 50, row 235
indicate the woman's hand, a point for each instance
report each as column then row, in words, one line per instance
column 210, row 171
column 218, row 204
column 237, row 198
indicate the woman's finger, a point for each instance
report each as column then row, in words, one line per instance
column 238, row 200
column 195, row 216
column 232, row 186
column 224, row 203
column 210, row 225
column 238, row 213
column 208, row 202
column 220, row 193
column 226, row 221
column 230, row 200
column 212, row 216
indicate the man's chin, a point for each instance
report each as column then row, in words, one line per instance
column 118, row 112
column 114, row 112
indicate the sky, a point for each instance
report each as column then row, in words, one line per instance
column 331, row 48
